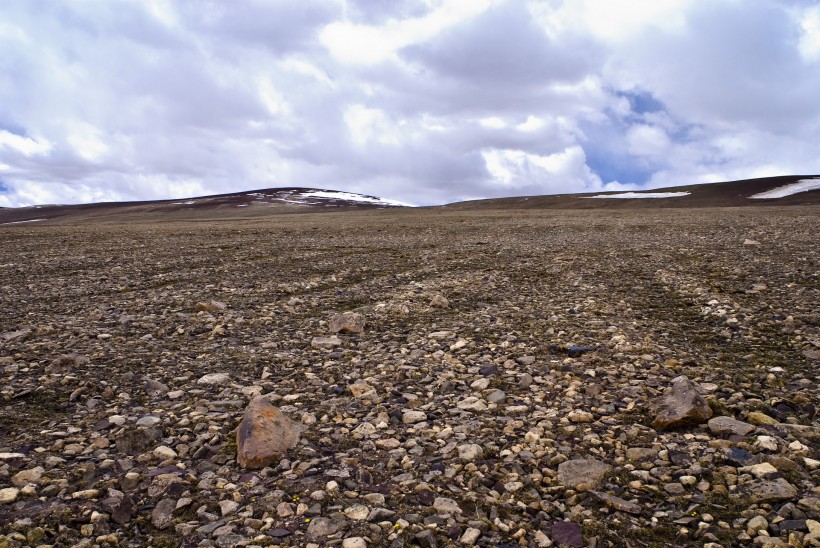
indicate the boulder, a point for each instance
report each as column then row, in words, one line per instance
column 348, row 322
column 264, row 435
column 681, row 405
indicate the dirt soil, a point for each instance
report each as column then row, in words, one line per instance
column 463, row 409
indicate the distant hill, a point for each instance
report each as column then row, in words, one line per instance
column 787, row 190
column 767, row 191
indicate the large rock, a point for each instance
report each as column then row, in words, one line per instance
column 768, row 491
column 264, row 435
column 582, row 473
column 681, row 405
column 348, row 322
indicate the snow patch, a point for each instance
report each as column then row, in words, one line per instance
column 631, row 195
column 20, row 222
column 350, row 197
column 803, row 185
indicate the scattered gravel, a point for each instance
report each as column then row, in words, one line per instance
column 477, row 379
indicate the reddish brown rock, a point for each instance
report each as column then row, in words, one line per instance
column 264, row 435
column 681, row 405
column 348, row 322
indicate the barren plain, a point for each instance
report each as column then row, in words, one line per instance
column 502, row 393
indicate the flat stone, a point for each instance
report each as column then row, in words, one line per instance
column 214, row 379
column 264, row 435
column 444, row 505
column 354, row 542
column 617, row 502
column 723, row 426
column 9, row 495
column 210, row 306
column 566, row 533
column 761, row 419
column 763, row 470
column 681, row 405
column 321, row 527
column 469, row 536
column 162, row 514
column 24, row 477
column 413, row 416
column 582, row 473
column 325, row 342
column 470, row 451
column 768, row 491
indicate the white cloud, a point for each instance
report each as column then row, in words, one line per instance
column 426, row 101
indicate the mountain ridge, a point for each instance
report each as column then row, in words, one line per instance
column 289, row 200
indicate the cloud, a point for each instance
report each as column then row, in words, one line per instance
column 425, row 101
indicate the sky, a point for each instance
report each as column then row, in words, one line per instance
column 424, row 101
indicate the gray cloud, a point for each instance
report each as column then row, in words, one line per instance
column 139, row 100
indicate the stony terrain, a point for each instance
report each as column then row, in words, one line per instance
column 505, row 390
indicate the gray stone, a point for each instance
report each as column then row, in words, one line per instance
column 582, row 473
column 322, row 527
column 348, row 322
column 768, row 491
column 681, row 405
column 163, row 512
column 722, row 426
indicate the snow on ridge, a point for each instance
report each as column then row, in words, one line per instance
column 350, row 197
column 631, row 195
column 803, row 185
column 20, row 222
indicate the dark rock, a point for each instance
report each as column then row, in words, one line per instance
column 578, row 351
column 567, row 533
column 163, row 512
column 426, row 539
column 681, row 405
column 134, row 441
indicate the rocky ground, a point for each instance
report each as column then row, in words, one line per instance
column 506, row 390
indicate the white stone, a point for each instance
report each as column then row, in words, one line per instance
column 413, row 416
column 9, row 494
column 354, row 542
column 164, row 452
column 214, row 378
column 470, row 451
column 470, row 536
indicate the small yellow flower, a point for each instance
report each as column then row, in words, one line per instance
column 307, row 520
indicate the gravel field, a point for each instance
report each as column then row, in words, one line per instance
column 522, row 378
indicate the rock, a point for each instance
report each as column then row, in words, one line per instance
column 325, row 342
column 496, row 396
column 264, row 435
column 470, row 452
column 163, row 453
column 582, row 473
column 426, row 539
column 214, row 379
column 162, row 514
column 580, row 416
column 439, row 301
column 8, row 495
column 763, row 470
column 617, row 502
column 155, row 388
column 354, row 542
column 756, row 524
column 761, row 419
column 578, row 351
column 681, row 405
column 723, row 426
column 469, row 536
column 119, row 505
column 210, row 306
column 768, row 491
column 444, row 505
column 32, row 475
column 348, row 322
column 134, row 441
column 322, row 527
column 360, row 389
column 566, row 533
column 357, row 512
column 148, row 420
column 413, row 416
